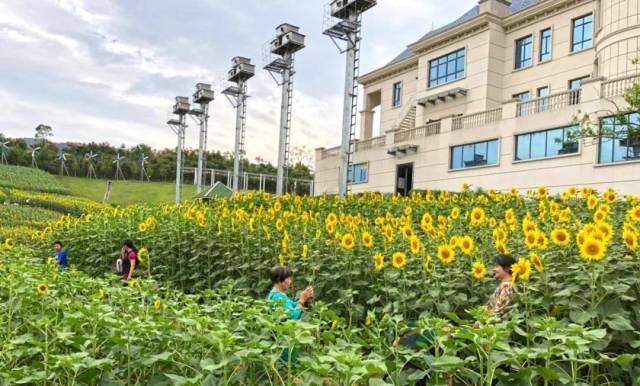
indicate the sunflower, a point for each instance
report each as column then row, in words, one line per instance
column 542, row 243
column 277, row 206
column 399, row 260
column 426, row 219
column 101, row 294
column 455, row 213
column 157, row 304
column 599, row 216
column 407, row 232
column 453, row 241
column 367, row 240
column 142, row 253
column 509, row 216
column 348, row 242
column 428, row 267
column 305, row 250
column 530, row 239
column 606, row 230
column 416, row 245
column 466, row 245
column 42, row 288
column 446, row 254
column 630, row 240
column 499, row 234
column 151, row 221
column 501, row 247
column 542, row 192
column 528, row 225
column 560, row 237
column 378, row 261
column 610, row 195
column 593, row 249
column 477, row 216
column 537, row 263
column 572, row 191
column 330, row 227
column 407, row 211
column 132, row 283
column 478, row 270
column 521, row 269
column 280, row 225
column 634, row 213
column 142, row 227
column 464, row 187
column 331, row 218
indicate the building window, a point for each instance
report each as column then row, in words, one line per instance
column 397, row 94
column 575, row 84
column 543, row 102
column 523, row 109
column 358, row 173
column 616, row 146
column 582, row 33
column 524, row 52
column 547, row 143
column 545, row 45
column 475, row 154
column 446, row 68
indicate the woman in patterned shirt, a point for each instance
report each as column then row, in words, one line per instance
column 503, row 297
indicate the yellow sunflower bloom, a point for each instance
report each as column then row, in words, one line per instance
column 42, row 288
column 537, row 263
column 388, row 232
column 531, row 239
column 367, row 240
column 407, row 232
column 348, row 242
column 630, row 240
column 501, row 247
column 521, row 269
column 330, row 227
column 416, row 245
column 606, row 229
column 378, row 261
column 399, row 260
column 305, row 250
column 478, row 270
column 142, row 227
column 542, row 243
column 634, row 214
column 157, row 304
column 446, row 254
column 560, row 237
column 542, row 192
column 593, row 249
column 477, row 216
column 466, row 245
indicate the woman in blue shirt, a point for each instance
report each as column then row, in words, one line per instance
column 61, row 254
column 282, row 280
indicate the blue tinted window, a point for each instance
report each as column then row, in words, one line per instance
column 538, row 144
column 446, row 68
column 523, row 143
column 358, row 173
column 524, row 52
column 555, row 140
column 397, row 94
column 582, row 33
column 474, row 154
column 545, row 45
column 615, row 146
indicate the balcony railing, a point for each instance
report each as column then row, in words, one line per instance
column 477, row 119
column 370, row 143
column 549, row 103
column 421, row 131
column 333, row 152
column 619, row 86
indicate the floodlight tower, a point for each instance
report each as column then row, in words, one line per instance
column 203, row 96
column 34, row 154
column 287, row 42
column 344, row 22
column 116, row 161
column 3, row 149
column 90, row 158
column 241, row 71
column 179, row 126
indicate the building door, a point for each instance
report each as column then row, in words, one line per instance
column 404, row 179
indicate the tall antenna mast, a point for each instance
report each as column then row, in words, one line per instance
column 4, row 147
column 34, row 154
column 119, row 174
column 343, row 22
column 203, row 96
column 90, row 158
column 179, row 126
column 241, row 71
column 143, row 170
column 62, row 157
column 287, row 42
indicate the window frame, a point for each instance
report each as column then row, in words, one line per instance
column 573, row 27
column 546, row 156
column 613, row 146
column 463, row 145
column 542, row 40
column 516, row 56
column 581, row 79
column 393, row 96
column 353, row 181
column 458, row 74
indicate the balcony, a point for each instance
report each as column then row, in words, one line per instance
column 477, row 119
column 370, row 143
column 618, row 86
column 550, row 103
column 421, row 131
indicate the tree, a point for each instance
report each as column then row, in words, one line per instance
column 43, row 132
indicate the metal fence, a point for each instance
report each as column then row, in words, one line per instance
column 252, row 181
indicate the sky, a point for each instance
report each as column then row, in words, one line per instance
column 108, row 70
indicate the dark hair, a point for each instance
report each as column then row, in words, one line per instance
column 280, row 274
column 59, row 243
column 505, row 261
column 129, row 243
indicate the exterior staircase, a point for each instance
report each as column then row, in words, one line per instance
column 409, row 120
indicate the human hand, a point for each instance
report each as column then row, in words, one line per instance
column 477, row 325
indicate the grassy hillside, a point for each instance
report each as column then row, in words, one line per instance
column 125, row 192
column 20, row 177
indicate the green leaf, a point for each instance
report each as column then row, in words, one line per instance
column 619, row 323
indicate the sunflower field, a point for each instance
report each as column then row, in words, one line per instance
column 375, row 256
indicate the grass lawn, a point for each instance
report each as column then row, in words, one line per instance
column 126, row 192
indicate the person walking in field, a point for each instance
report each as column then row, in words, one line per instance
column 60, row 255
column 128, row 261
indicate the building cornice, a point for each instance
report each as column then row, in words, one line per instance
column 538, row 12
column 471, row 27
column 389, row 71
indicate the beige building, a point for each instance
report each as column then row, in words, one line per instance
column 490, row 100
